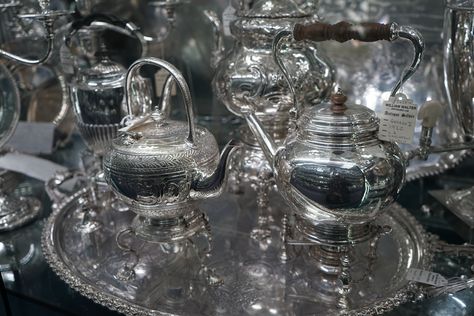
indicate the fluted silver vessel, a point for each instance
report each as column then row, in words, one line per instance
column 459, row 62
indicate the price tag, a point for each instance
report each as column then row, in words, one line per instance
column 160, row 80
column 426, row 277
column 227, row 17
column 398, row 120
column 33, row 138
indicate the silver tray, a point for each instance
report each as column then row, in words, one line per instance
column 246, row 256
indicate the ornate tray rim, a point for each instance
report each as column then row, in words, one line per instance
column 410, row 292
column 444, row 163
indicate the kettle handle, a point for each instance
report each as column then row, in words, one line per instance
column 344, row 31
column 366, row 32
column 180, row 81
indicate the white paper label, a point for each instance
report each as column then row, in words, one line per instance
column 227, row 17
column 31, row 166
column 33, row 138
column 426, row 277
column 398, row 120
column 160, row 80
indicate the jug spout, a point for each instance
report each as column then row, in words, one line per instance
column 218, row 48
column 265, row 141
column 212, row 186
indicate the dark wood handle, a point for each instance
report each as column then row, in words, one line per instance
column 342, row 32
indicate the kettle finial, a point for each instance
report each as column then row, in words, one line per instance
column 338, row 101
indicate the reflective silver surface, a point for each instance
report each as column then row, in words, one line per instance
column 461, row 203
column 255, row 281
column 459, row 61
column 344, row 175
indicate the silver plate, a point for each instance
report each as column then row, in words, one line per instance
column 245, row 255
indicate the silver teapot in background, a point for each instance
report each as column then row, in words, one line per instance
column 97, row 87
column 248, row 71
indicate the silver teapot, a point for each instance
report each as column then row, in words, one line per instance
column 333, row 170
column 158, row 166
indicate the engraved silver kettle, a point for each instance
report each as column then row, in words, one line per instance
column 157, row 165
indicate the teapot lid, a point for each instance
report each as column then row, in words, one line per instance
column 338, row 119
column 105, row 73
column 280, row 9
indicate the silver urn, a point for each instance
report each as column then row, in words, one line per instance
column 249, row 74
column 250, row 71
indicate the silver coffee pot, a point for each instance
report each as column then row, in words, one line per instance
column 333, row 170
column 249, row 71
column 98, row 87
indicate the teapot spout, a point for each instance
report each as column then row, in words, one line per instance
column 212, row 186
column 265, row 141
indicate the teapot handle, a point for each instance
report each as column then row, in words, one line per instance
column 365, row 32
column 180, row 81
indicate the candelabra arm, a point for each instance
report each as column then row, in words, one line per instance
column 48, row 25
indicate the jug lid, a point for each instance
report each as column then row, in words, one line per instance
column 105, row 73
column 280, row 9
column 338, row 119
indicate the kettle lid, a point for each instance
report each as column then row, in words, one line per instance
column 158, row 134
column 338, row 118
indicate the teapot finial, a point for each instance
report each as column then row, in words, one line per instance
column 338, row 101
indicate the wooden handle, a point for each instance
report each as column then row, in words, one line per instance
column 342, row 32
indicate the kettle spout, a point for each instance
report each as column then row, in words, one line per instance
column 218, row 48
column 212, row 186
column 265, row 141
